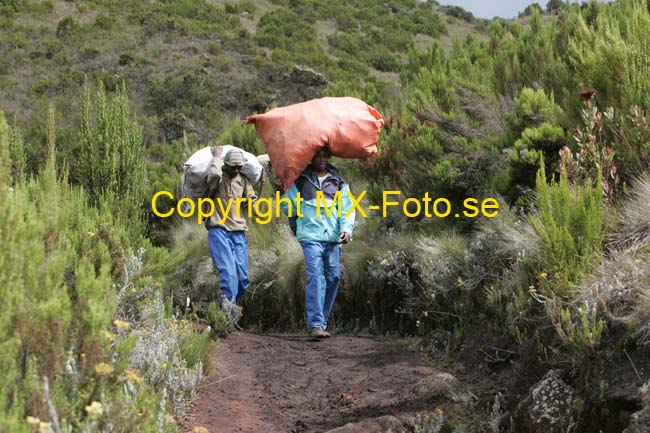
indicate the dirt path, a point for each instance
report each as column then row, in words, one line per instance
column 287, row 383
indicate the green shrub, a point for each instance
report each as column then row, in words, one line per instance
column 17, row 156
column 533, row 108
column 218, row 320
column 67, row 28
column 285, row 29
column 195, row 347
column 61, row 281
column 238, row 8
column 112, row 166
column 570, row 228
column 605, row 53
column 125, row 58
column 29, row 6
column 536, row 124
column 544, row 142
column 384, row 61
column 240, row 135
column 458, row 12
column 104, row 22
column 183, row 92
column 282, row 28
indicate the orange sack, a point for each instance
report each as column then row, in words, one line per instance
column 347, row 126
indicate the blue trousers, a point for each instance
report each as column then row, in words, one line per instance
column 322, row 262
column 229, row 253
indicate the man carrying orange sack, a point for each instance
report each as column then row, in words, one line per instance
column 321, row 235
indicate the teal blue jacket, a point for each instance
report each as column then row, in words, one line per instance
column 315, row 224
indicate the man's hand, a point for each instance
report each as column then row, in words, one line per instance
column 216, row 151
column 345, row 237
column 277, row 185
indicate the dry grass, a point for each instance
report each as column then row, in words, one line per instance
column 423, row 42
column 187, row 233
column 325, row 29
column 482, row 108
column 621, row 284
column 634, row 228
column 60, row 10
column 621, row 288
column 477, row 107
column 518, row 237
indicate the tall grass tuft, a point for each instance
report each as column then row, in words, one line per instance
column 634, row 227
column 620, row 285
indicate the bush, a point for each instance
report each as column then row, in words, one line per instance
column 570, row 228
column 285, row 29
column 178, row 93
column 544, row 142
column 62, row 281
column 67, row 28
column 536, row 122
column 533, row 108
column 104, row 22
column 384, row 61
column 242, row 6
column 242, row 136
column 112, row 167
column 604, row 53
column 218, row 320
column 458, row 12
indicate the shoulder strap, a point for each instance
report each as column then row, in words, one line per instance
column 246, row 183
column 300, row 182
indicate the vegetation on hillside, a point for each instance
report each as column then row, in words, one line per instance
column 548, row 113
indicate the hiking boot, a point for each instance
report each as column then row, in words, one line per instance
column 318, row 332
column 232, row 311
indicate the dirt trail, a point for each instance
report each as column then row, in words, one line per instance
column 288, row 383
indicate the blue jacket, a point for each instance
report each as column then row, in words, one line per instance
column 312, row 226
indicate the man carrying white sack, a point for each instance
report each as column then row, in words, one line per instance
column 227, row 236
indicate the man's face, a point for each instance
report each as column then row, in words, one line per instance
column 319, row 162
column 232, row 169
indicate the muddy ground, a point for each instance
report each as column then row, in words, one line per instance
column 289, row 383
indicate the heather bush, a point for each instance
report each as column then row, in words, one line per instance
column 69, row 273
column 463, row 120
column 605, row 54
column 112, row 164
column 570, row 227
column 242, row 136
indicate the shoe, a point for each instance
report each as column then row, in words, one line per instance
column 318, row 332
column 236, row 314
column 232, row 310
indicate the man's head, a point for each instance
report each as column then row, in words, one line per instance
column 320, row 159
column 233, row 161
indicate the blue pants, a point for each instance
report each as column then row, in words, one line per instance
column 229, row 253
column 322, row 262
